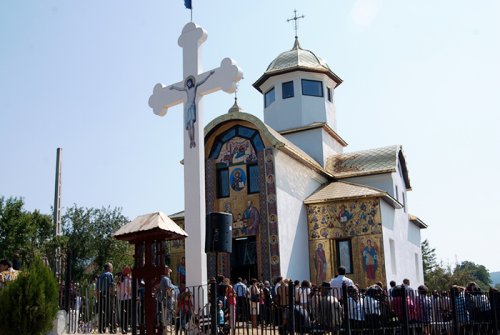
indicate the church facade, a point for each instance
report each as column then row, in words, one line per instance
column 301, row 206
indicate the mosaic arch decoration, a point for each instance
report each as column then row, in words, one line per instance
column 236, row 146
column 254, row 210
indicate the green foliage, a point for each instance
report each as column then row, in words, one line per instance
column 89, row 233
column 22, row 232
column 466, row 272
column 439, row 277
column 29, row 304
column 428, row 259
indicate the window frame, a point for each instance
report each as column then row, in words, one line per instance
column 250, row 184
column 218, row 183
column 267, row 101
column 283, row 90
column 305, row 81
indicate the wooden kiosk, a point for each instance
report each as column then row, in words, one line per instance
column 148, row 233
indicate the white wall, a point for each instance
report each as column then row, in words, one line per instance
column 381, row 181
column 310, row 141
column 294, row 183
column 396, row 226
column 330, row 146
column 299, row 110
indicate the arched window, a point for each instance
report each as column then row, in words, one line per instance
column 238, row 145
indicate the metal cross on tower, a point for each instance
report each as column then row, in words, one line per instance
column 295, row 18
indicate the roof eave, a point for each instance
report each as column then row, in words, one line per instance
column 321, row 201
column 316, row 125
column 417, row 222
column 363, row 173
column 268, row 75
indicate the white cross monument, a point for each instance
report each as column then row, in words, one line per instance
column 190, row 91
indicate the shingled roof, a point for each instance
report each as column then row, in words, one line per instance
column 337, row 191
column 367, row 162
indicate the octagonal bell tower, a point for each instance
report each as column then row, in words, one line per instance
column 298, row 89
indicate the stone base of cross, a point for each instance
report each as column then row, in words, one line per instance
column 190, row 91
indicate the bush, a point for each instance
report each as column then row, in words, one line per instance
column 29, row 304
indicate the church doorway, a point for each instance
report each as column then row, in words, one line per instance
column 244, row 258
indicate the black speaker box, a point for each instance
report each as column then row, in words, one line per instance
column 219, row 234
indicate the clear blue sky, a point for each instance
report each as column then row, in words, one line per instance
column 426, row 75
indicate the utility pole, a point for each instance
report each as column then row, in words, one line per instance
column 57, row 212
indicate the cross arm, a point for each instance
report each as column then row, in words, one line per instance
column 164, row 97
column 222, row 78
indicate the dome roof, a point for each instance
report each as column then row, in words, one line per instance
column 296, row 59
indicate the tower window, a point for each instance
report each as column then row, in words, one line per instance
column 222, row 180
column 269, row 97
column 287, row 89
column 329, row 94
column 312, row 87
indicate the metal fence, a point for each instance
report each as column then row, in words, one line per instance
column 195, row 310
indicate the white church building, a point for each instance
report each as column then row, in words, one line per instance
column 302, row 205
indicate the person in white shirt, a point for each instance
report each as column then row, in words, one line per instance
column 337, row 282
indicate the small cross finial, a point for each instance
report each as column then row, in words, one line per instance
column 295, row 18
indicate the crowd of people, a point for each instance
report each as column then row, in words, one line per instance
column 328, row 307
column 332, row 305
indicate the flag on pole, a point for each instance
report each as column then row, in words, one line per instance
column 187, row 4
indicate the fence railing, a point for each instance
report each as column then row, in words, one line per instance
column 195, row 310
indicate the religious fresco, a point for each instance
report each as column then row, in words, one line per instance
column 344, row 219
column 346, row 233
column 235, row 154
column 320, row 265
column 251, row 197
column 236, row 151
column 238, row 179
column 370, row 254
column 246, row 222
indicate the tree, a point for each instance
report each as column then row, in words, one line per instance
column 29, row 304
column 89, row 233
column 22, row 232
column 439, row 277
column 428, row 259
column 466, row 272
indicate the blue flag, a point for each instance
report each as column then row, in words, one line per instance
column 187, row 3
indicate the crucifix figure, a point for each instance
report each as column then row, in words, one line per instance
column 190, row 87
column 190, row 91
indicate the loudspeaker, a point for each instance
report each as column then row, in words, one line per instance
column 219, row 234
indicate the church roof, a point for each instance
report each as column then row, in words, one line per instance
column 337, row 191
column 276, row 139
column 367, row 162
column 153, row 223
column 417, row 222
column 296, row 59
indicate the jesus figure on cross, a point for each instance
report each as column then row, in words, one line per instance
column 190, row 87
column 196, row 85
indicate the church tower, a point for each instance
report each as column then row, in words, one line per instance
column 298, row 89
